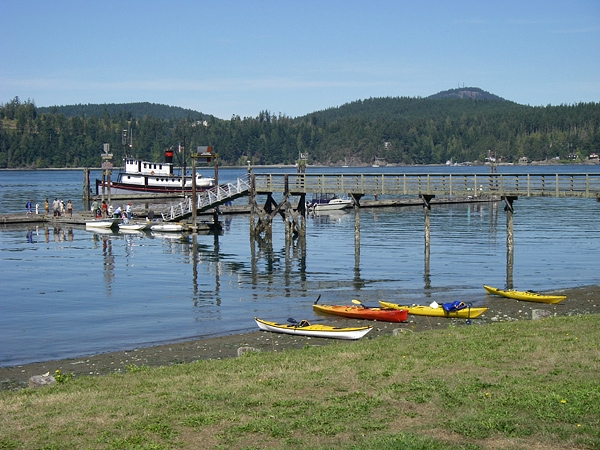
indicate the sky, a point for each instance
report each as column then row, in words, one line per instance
column 234, row 57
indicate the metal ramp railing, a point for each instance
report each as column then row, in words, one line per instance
column 208, row 199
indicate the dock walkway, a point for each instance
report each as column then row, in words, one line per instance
column 514, row 185
column 79, row 217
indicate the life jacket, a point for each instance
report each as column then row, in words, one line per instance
column 453, row 306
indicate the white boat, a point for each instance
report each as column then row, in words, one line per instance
column 303, row 328
column 328, row 202
column 102, row 223
column 138, row 177
column 379, row 162
column 167, row 227
column 138, row 226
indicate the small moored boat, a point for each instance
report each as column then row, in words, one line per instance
column 102, row 223
column 328, row 202
column 133, row 226
column 303, row 328
column 528, row 296
column 364, row 312
column 423, row 310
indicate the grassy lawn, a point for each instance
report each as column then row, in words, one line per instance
column 515, row 385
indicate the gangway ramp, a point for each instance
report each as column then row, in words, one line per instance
column 208, row 199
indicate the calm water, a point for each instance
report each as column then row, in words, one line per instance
column 69, row 292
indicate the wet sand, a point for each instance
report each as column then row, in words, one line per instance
column 582, row 300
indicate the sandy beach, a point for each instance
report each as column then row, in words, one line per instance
column 582, row 300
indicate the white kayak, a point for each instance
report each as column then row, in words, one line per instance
column 303, row 328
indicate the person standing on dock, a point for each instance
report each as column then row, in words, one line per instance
column 104, row 209
column 55, row 205
column 70, row 208
column 28, row 207
column 46, row 207
column 128, row 211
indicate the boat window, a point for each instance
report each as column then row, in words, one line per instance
column 160, row 166
column 145, row 166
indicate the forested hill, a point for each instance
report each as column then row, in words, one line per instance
column 397, row 107
column 459, row 127
column 472, row 93
column 443, row 104
column 125, row 110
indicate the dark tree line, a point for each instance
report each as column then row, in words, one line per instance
column 401, row 130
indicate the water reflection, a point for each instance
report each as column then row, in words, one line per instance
column 108, row 263
column 358, row 282
column 273, row 263
column 59, row 234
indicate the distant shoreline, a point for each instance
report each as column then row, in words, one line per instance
column 291, row 166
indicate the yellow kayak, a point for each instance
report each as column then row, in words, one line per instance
column 528, row 296
column 422, row 310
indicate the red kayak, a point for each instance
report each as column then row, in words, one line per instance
column 364, row 312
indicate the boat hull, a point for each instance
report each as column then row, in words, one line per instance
column 328, row 202
column 102, row 223
column 322, row 331
column 525, row 295
column 122, row 188
column 132, row 226
column 422, row 310
column 333, row 205
column 362, row 312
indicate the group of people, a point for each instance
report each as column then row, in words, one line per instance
column 58, row 208
column 103, row 210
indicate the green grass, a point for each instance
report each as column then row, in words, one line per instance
column 516, row 385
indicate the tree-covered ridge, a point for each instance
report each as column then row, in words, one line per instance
column 126, row 110
column 401, row 130
column 472, row 93
column 405, row 108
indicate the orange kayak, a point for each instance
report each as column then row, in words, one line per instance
column 364, row 312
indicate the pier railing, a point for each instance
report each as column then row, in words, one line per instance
column 208, row 199
column 549, row 185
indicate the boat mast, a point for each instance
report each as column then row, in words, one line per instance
column 182, row 151
column 127, row 139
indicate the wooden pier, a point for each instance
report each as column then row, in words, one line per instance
column 408, row 189
column 507, row 187
column 358, row 185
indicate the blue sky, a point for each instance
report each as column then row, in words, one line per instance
column 227, row 57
